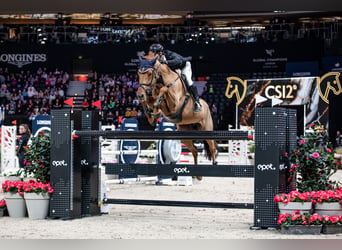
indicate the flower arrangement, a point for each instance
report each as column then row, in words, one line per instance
column 13, row 187
column 313, row 163
column 313, row 196
column 295, row 218
column 293, row 196
column 37, row 187
column 327, row 196
column 331, row 220
column 2, row 204
column 38, row 157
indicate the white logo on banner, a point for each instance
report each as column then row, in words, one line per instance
column 22, row 59
column 265, row 167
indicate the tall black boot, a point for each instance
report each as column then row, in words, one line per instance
column 195, row 97
column 193, row 92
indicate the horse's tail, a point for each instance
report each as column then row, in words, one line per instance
column 207, row 150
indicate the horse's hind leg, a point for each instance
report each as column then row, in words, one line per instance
column 191, row 146
column 212, row 148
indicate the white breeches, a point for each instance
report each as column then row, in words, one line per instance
column 187, row 72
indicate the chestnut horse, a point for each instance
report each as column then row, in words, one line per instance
column 162, row 89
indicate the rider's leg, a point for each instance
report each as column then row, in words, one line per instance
column 187, row 74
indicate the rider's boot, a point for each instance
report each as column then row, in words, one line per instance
column 195, row 97
column 194, row 94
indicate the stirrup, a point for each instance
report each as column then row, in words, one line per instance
column 197, row 107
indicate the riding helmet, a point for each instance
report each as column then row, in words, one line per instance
column 156, row 48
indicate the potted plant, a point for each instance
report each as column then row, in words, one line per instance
column 13, row 174
column 14, row 192
column 37, row 197
column 38, row 157
column 313, row 163
column 2, row 207
column 294, row 201
column 328, row 202
column 297, row 223
column 332, row 224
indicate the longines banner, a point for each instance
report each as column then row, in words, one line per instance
column 20, row 60
column 312, row 93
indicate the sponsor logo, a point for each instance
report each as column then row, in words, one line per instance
column 44, row 122
column 22, row 59
column 282, row 167
column 238, row 87
column 269, row 52
column 59, row 163
column 84, row 162
column 131, row 125
column 265, row 167
column 130, row 148
column 281, row 91
column 184, row 170
column 329, row 84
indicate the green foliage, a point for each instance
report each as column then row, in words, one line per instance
column 313, row 163
column 38, row 157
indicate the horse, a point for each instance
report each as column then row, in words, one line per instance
column 169, row 95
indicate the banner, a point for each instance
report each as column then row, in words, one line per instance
column 41, row 123
column 309, row 95
column 302, row 69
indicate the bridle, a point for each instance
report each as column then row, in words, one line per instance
column 147, row 87
column 163, row 82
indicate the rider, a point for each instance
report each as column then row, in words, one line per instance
column 178, row 63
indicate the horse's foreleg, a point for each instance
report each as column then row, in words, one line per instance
column 159, row 97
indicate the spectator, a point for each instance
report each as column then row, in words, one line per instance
column 25, row 133
column 31, row 92
column 85, row 104
column 338, row 139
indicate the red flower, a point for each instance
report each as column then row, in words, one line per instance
column 315, row 155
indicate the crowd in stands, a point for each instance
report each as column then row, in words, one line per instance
column 117, row 93
column 32, row 93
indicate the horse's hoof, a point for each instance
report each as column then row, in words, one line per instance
column 199, row 178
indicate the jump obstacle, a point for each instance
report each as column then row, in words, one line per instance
column 75, row 162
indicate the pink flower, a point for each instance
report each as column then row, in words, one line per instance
column 302, row 141
column 329, row 150
column 315, row 155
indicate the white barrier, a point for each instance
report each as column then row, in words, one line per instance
column 8, row 153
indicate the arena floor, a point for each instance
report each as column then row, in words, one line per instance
column 157, row 222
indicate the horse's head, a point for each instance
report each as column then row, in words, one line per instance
column 146, row 74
